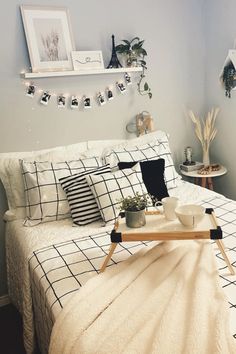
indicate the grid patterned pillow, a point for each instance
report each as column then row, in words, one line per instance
column 108, row 189
column 83, row 206
column 150, row 151
column 45, row 198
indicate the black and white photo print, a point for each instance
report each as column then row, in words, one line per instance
column 109, row 93
column 87, row 102
column 121, row 87
column 101, row 98
column 74, row 102
column 128, row 79
column 30, row 91
column 61, row 101
column 45, row 98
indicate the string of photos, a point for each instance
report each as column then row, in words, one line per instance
column 74, row 101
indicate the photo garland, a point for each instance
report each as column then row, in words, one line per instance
column 74, row 101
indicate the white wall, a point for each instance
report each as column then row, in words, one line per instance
column 174, row 39
column 220, row 37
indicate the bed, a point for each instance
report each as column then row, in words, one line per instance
column 50, row 262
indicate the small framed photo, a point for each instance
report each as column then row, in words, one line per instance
column 61, row 101
column 87, row 102
column 74, row 102
column 121, row 87
column 109, row 93
column 30, row 91
column 45, row 98
column 101, row 98
column 87, row 60
column 49, row 37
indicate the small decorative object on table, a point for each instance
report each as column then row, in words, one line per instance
column 208, row 169
column 135, row 54
column 205, row 131
column 189, row 168
column 134, row 208
column 188, row 151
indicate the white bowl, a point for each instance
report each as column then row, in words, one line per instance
column 190, row 214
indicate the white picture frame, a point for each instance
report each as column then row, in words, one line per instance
column 87, row 60
column 49, row 37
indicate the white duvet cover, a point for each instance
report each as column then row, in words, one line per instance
column 52, row 261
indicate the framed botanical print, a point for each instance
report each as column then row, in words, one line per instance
column 49, row 37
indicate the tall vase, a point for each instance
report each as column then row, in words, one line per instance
column 205, row 156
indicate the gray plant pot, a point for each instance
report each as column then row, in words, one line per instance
column 135, row 218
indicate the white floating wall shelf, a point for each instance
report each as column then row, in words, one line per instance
column 79, row 73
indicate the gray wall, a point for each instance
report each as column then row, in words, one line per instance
column 221, row 35
column 174, row 39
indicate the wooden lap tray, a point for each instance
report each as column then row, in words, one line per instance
column 158, row 228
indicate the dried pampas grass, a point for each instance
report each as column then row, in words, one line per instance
column 205, row 129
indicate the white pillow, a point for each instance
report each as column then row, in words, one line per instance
column 11, row 177
column 141, row 140
column 152, row 150
column 108, row 189
column 45, row 198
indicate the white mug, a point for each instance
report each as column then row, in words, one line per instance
column 169, row 205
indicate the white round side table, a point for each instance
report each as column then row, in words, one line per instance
column 205, row 180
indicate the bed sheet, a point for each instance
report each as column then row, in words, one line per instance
column 51, row 261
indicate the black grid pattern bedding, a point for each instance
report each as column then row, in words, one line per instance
column 45, row 198
column 60, row 270
column 150, row 151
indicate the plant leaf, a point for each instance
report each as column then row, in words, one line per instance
column 143, row 51
column 142, row 62
column 121, row 48
column 126, row 42
column 134, row 39
column 146, row 87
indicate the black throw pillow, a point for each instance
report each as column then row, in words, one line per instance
column 153, row 176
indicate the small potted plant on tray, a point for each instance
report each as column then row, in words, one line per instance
column 134, row 208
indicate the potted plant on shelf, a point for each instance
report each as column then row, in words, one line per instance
column 134, row 208
column 135, row 54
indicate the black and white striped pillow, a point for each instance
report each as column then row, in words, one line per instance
column 45, row 198
column 108, row 189
column 83, row 206
column 150, row 151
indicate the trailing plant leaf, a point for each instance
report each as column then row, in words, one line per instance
column 146, row 87
column 229, row 78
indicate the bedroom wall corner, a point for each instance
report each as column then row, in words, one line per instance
column 220, row 37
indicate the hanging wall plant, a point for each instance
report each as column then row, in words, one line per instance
column 229, row 78
column 135, row 54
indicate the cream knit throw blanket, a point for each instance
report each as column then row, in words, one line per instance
column 163, row 300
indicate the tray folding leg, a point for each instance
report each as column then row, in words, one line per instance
column 222, row 251
column 108, row 257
